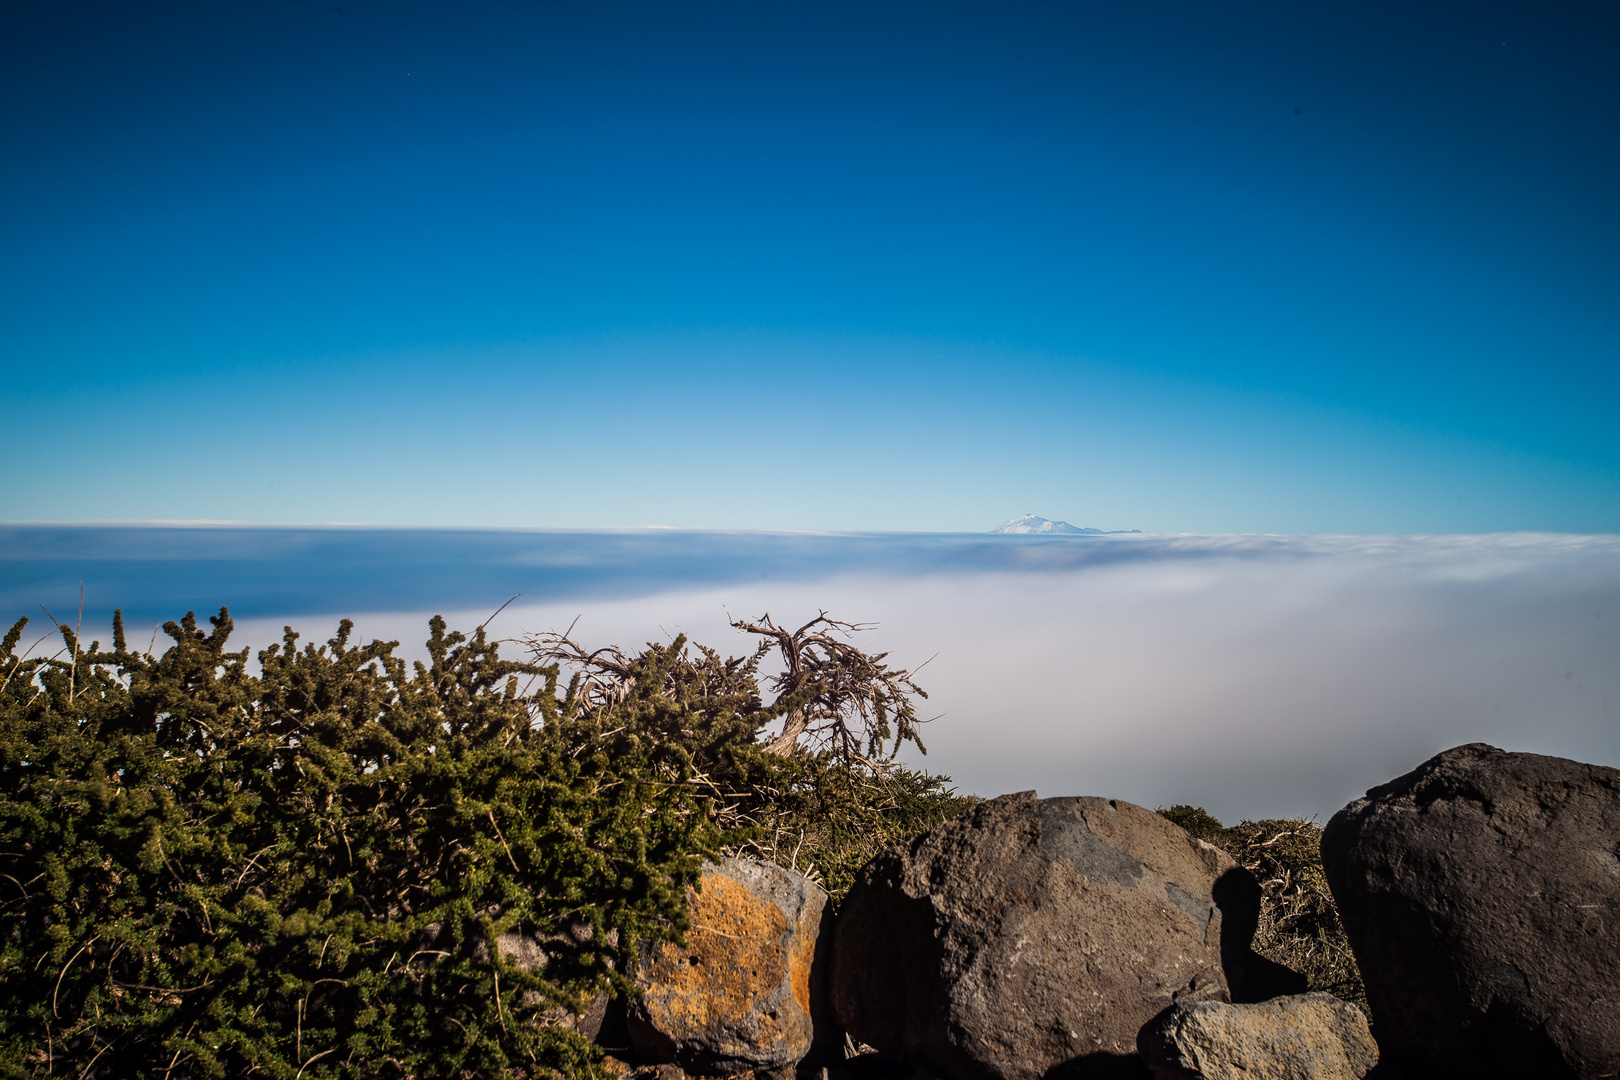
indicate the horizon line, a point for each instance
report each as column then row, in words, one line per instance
column 356, row 526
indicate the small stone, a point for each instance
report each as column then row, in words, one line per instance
column 1302, row 1037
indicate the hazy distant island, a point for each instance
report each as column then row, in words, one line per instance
column 1029, row 523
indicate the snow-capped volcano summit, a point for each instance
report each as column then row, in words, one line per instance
column 1029, row 523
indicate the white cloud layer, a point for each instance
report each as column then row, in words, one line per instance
column 1256, row 676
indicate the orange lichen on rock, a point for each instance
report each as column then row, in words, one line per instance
column 734, row 950
column 737, row 995
column 804, row 954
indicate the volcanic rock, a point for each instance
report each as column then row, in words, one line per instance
column 737, row 998
column 1302, row 1037
column 1031, row 935
column 1481, row 894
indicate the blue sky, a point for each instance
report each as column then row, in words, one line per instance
column 1177, row 267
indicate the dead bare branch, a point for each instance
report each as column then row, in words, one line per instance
column 832, row 695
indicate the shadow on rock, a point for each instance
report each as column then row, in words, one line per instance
column 1250, row 977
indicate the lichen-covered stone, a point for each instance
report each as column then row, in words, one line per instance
column 737, row 997
column 1301, row 1037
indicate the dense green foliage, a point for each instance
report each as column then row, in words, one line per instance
column 310, row 870
column 306, row 871
column 1299, row 924
column 828, row 819
column 827, row 807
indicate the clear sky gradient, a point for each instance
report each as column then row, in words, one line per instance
column 1169, row 266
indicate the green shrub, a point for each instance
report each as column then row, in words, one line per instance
column 1299, row 924
column 305, row 872
column 308, row 871
column 1199, row 822
column 827, row 819
column 824, row 796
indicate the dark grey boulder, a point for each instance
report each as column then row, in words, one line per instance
column 1032, row 938
column 1481, row 894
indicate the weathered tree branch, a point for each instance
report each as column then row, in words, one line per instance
column 838, row 697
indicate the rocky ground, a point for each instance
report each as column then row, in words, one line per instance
column 1090, row 939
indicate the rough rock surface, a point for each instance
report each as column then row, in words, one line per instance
column 1302, row 1037
column 1031, row 935
column 737, row 998
column 1481, row 893
column 530, row 953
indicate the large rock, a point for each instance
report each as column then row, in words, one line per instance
column 1027, row 935
column 738, row 997
column 1302, row 1037
column 1481, row 894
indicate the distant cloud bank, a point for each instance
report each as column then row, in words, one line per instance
column 161, row 570
column 1256, row 675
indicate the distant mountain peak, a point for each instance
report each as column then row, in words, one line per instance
column 1029, row 523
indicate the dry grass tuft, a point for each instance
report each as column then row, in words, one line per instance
column 1299, row 924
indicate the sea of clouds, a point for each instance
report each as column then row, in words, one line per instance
column 1253, row 675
